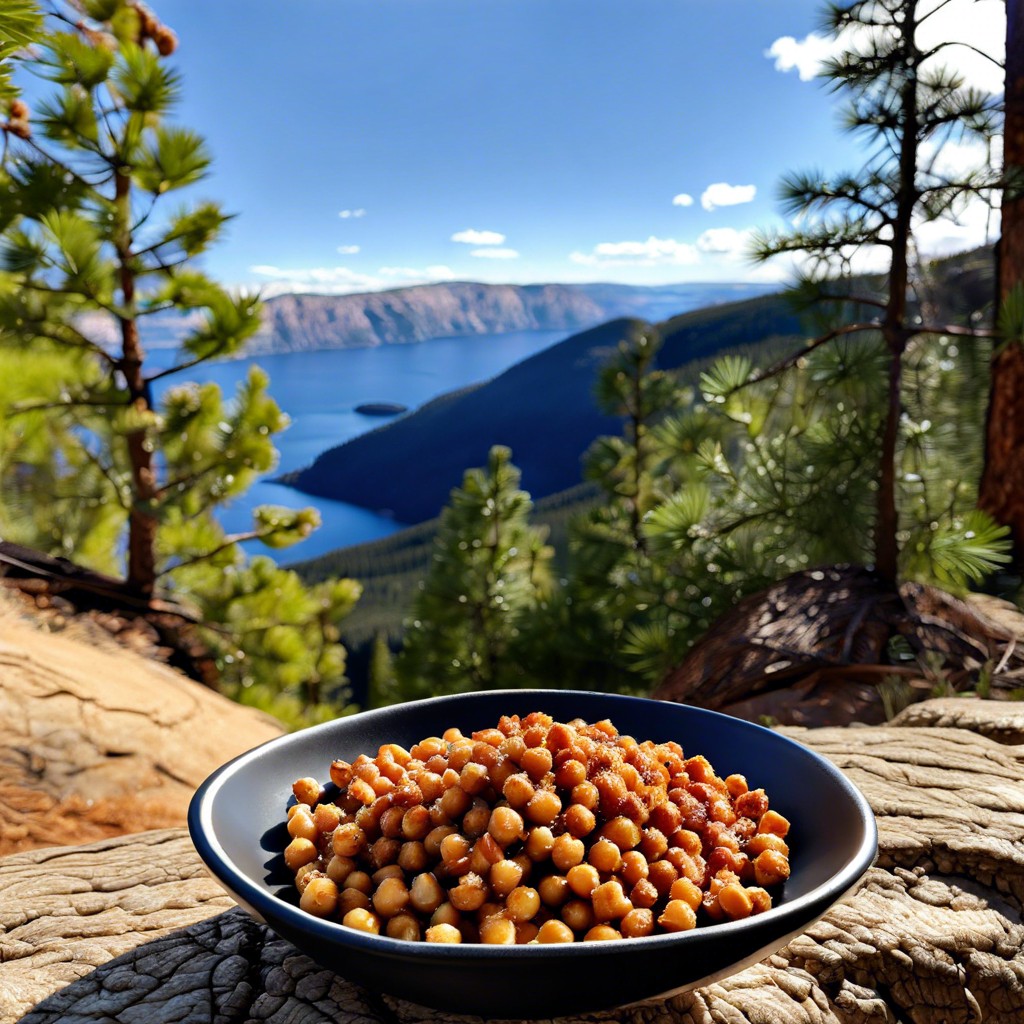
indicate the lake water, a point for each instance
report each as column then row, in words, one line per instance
column 320, row 390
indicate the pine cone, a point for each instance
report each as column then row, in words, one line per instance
column 19, row 110
column 166, row 41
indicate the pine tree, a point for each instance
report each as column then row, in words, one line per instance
column 490, row 572
column 90, row 251
column 905, row 104
column 382, row 683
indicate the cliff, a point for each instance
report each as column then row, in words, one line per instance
column 297, row 323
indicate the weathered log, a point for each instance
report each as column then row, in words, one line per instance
column 98, row 742
column 131, row 929
column 814, row 648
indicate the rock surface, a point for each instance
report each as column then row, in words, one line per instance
column 97, row 741
column 131, row 929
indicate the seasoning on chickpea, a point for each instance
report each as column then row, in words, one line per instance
column 533, row 831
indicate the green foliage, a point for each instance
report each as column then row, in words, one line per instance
column 90, row 466
column 489, row 573
column 20, row 22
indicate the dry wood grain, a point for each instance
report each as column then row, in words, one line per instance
column 97, row 742
column 130, row 929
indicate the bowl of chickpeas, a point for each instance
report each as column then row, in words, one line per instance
column 534, row 853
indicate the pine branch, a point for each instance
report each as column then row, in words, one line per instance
column 790, row 361
column 229, row 541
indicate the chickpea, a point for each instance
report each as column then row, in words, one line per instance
column 505, row 876
column 384, row 851
column 583, row 879
column 580, row 820
column 610, row 901
column 554, row 931
column 685, row 890
column 498, row 930
column 773, row 823
column 770, row 868
column 637, row 923
column 446, row 914
column 570, row 773
column 469, row 895
column 391, row 897
column 586, row 794
column 307, row 791
column 359, row 880
column 362, row 920
column 735, row 901
column 403, row 926
column 634, row 867
column 339, row 868
column 425, row 893
column 622, row 831
column 567, row 851
column 605, row 856
column 522, row 903
column 544, row 807
column 518, row 790
column 299, row 852
column 302, row 826
column 536, row 762
column 540, row 831
column 475, row 820
column 443, row 933
column 455, row 801
column 678, row 916
column 305, row 874
column 539, row 843
column 352, row 899
column 434, row 838
column 320, row 897
column 643, row 894
column 348, row 840
column 554, row 890
column 505, row 826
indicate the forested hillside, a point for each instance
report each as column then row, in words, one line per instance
column 543, row 409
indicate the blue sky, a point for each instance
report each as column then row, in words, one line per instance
column 373, row 143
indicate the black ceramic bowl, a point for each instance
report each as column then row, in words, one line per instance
column 237, row 823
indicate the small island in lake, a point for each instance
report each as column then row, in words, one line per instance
column 381, row 408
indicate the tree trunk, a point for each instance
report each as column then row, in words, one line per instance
column 894, row 325
column 142, row 524
column 1002, row 481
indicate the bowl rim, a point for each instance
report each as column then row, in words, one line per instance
column 273, row 909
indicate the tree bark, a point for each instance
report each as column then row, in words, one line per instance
column 1001, row 492
column 142, row 523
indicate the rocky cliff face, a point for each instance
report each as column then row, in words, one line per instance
column 295, row 323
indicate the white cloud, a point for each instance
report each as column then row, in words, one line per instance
column 805, row 56
column 682, row 200
column 651, row 253
column 473, row 237
column 495, row 254
column 348, row 250
column 346, row 214
column 722, row 194
column 971, row 23
column 725, row 241
column 342, row 280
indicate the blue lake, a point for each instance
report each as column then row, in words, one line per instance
column 320, row 390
